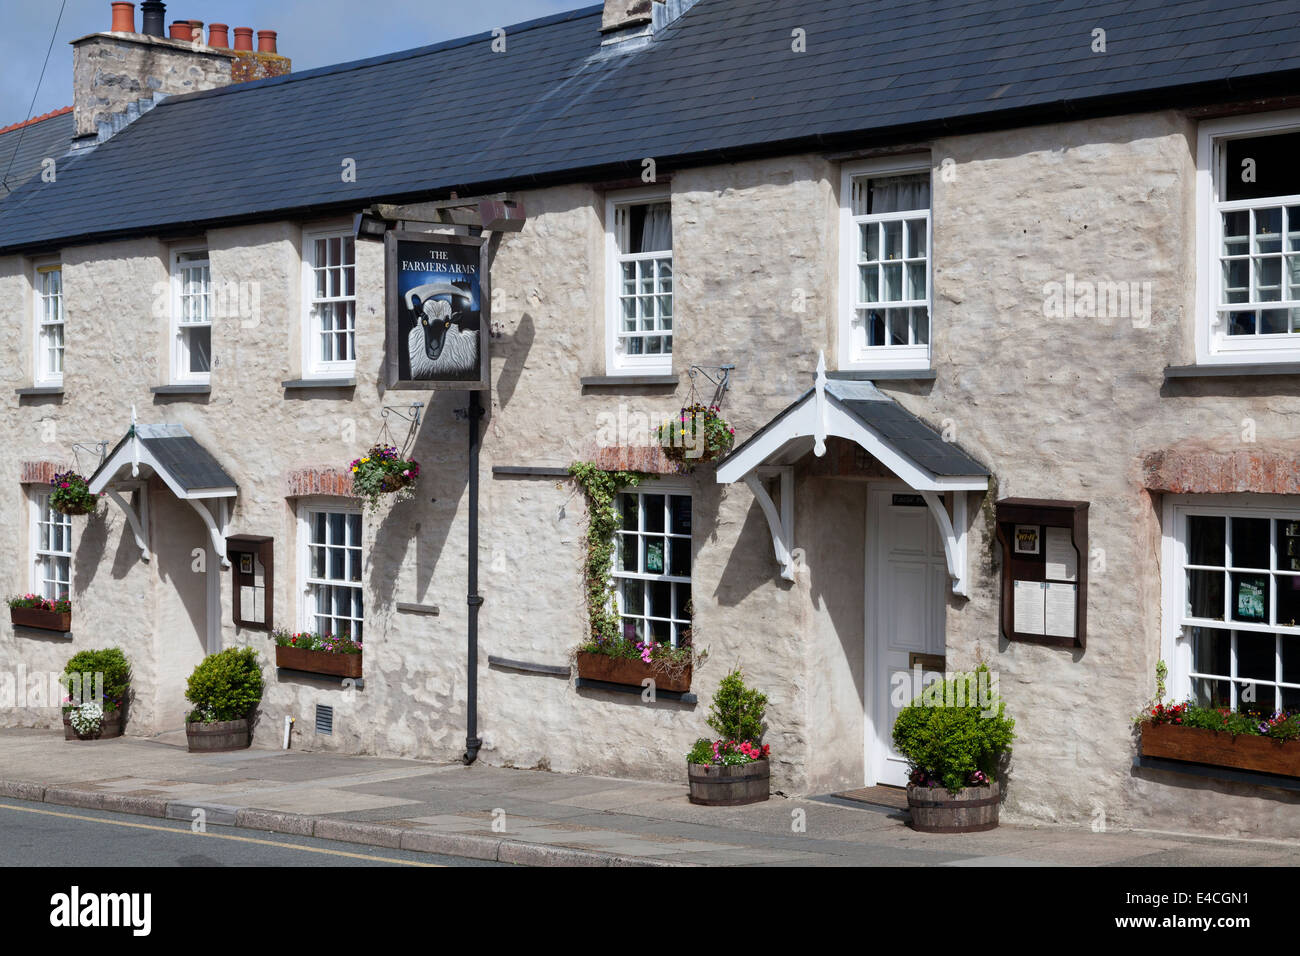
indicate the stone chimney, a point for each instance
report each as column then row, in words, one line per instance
column 639, row 19
column 621, row 14
column 120, row 75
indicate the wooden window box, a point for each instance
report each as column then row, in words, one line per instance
column 318, row 662
column 1242, row 752
column 631, row 671
column 43, row 620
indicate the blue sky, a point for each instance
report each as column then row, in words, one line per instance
column 312, row 32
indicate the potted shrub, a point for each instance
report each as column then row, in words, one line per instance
column 630, row 662
column 699, row 434
column 224, row 689
column 954, row 736
column 71, row 494
column 317, row 653
column 95, row 685
column 32, row 610
column 383, row 471
column 732, row 770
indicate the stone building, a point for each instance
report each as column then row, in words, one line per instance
column 1048, row 255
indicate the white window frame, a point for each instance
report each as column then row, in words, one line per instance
column 1213, row 345
column 854, row 353
column 1176, row 640
column 42, row 374
column 180, row 350
column 41, row 513
column 668, row 489
column 313, row 366
column 307, row 508
column 617, row 363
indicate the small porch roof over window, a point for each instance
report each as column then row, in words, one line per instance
column 861, row 413
column 185, row 466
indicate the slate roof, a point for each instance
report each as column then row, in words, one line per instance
column 717, row 83
column 189, row 464
column 903, row 431
column 23, row 146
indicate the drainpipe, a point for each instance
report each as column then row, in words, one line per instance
column 475, row 601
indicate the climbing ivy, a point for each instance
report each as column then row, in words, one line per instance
column 601, row 489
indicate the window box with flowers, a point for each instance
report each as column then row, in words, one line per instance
column 32, row 610
column 631, row 662
column 317, row 654
column 1263, row 743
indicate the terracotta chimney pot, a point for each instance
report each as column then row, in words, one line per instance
column 123, row 17
column 196, row 32
column 181, row 30
column 219, row 36
column 244, row 38
column 266, row 41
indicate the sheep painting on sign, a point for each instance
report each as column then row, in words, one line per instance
column 436, row 304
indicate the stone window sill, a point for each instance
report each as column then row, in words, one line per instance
column 628, row 381
column 305, row 383
column 884, row 375
column 39, row 390
column 195, row 389
column 1212, row 772
column 1231, row 371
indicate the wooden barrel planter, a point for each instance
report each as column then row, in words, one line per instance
column 109, row 727
column 716, row 786
column 935, row 810
column 218, row 737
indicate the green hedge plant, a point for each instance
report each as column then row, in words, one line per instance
column 110, row 662
column 225, row 686
column 955, row 733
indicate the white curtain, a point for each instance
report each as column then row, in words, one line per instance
column 892, row 194
column 657, row 232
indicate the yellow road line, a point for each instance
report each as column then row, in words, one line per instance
column 217, row 836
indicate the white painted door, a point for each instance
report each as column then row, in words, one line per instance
column 906, row 597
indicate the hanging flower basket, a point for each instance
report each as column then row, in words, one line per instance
column 699, row 434
column 71, row 494
column 383, row 471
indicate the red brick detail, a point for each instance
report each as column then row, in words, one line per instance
column 644, row 458
column 336, row 482
column 39, row 472
column 1208, row 473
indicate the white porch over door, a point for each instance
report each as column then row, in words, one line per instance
column 915, row 537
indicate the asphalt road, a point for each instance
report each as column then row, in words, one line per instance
column 39, row 834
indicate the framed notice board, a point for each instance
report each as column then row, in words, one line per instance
column 1044, row 570
column 252, row 580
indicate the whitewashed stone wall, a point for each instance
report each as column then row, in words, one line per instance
column 1055, row 408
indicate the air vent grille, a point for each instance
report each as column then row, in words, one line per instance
column 324, row 719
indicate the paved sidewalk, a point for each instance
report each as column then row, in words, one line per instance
column 538, row 818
